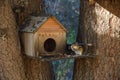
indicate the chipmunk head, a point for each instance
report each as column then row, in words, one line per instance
column 76, row 47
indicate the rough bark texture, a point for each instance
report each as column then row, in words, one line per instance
column 13, row 64
column 37, row 70
column 24, row 8
column 111, row 5
column 102, row 28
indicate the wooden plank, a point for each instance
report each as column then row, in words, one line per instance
column 60, row 56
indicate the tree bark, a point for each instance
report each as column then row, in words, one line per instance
column 101, row 28
column 25, row 8
column 13, row 64
column 38, row 70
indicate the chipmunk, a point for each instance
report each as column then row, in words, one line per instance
column 77, row 48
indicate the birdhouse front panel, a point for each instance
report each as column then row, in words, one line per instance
column 52, row 37
column 47, row 36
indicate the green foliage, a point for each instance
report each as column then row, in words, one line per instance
column 63, row 69
column 71, row 36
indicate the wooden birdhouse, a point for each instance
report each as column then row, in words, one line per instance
column 43, row 35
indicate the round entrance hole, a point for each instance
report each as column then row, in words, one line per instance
column 50, row 45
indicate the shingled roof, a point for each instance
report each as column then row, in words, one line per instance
column 32, row 23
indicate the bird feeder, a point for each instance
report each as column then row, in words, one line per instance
column 43, row 35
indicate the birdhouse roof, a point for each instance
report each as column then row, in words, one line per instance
column 33, row 23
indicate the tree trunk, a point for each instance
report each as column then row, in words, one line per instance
column 13, row 65
column 101, row 28
column 38, row 70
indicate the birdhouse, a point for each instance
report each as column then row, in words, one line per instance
column 43, row 35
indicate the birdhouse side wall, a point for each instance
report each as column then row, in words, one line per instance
column 28, row 43
column 36, row 44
